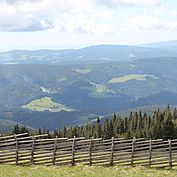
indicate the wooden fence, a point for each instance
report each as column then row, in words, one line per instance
column 23, row 149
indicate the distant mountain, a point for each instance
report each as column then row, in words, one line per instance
column 92, row 54
column 148, row 109
column 116, row 53
column 167, row 45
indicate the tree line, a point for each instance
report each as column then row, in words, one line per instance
column 161, row 124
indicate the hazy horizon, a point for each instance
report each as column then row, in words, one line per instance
column 80, row 47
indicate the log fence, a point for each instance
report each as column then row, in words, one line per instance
column 22, row 149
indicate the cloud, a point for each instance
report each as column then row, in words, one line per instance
column 144, row 22
column 79, row 3
column 114, row 3
column 52, row 15
column 90, row 16
column 10, row 19
column 37, row 25
column 80, row 25
column 164, row 11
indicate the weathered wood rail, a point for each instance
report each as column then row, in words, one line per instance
column 23, row 149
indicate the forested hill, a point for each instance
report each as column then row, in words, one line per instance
column 72, row 87
column 162, row 124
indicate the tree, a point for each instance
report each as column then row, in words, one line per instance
column 39, row 131
column 55, row 133
column 162, row 124
column 106, row 130
column 98, row 129
column 64, row 131
column 19, row 129
column 16, row 129
column 169, row 127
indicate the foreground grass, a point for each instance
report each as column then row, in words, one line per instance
column 83, row 171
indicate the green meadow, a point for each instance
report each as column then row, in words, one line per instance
column 129, row 77
column 83, row 171
column 46, row 104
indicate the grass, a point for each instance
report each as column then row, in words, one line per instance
column 99, row 90
column 128, row 77
column 83, row 171
column 46, row 104
column 83, row 70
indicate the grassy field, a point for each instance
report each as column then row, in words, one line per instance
column 46, row 104
column 128, row 77
column 83, row 71
column 83, row 171
column 100, row 90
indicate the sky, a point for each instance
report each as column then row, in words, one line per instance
column 60, row 24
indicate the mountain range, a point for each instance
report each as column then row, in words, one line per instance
column 53, row 88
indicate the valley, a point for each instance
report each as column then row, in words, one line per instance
column 78, row 89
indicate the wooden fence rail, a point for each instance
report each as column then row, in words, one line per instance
column 23, row 149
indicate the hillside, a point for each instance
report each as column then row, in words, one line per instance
column 91, row 54
column 133, row 84
column 96, row 80
column 7, row 126
column 168, row 45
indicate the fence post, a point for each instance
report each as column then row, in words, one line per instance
column 170, row 154
column 16, row 149
column 90, row 152
column 54, row 151
column 133, row 149
column 32, row 150
column 150, row 152
column 73, row 150
column 112, row 152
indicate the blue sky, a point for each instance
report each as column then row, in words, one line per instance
column 58, row 24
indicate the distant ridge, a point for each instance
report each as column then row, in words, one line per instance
column 162, row 44
column 94, row 54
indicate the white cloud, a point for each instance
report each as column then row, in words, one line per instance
column 142, row 2
column 80, row 4
column 144, row 22
column 11, row 19
column 112, row 3
column 88, row 16
column 53, row 15
column 163, row 11
column 81, row 25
